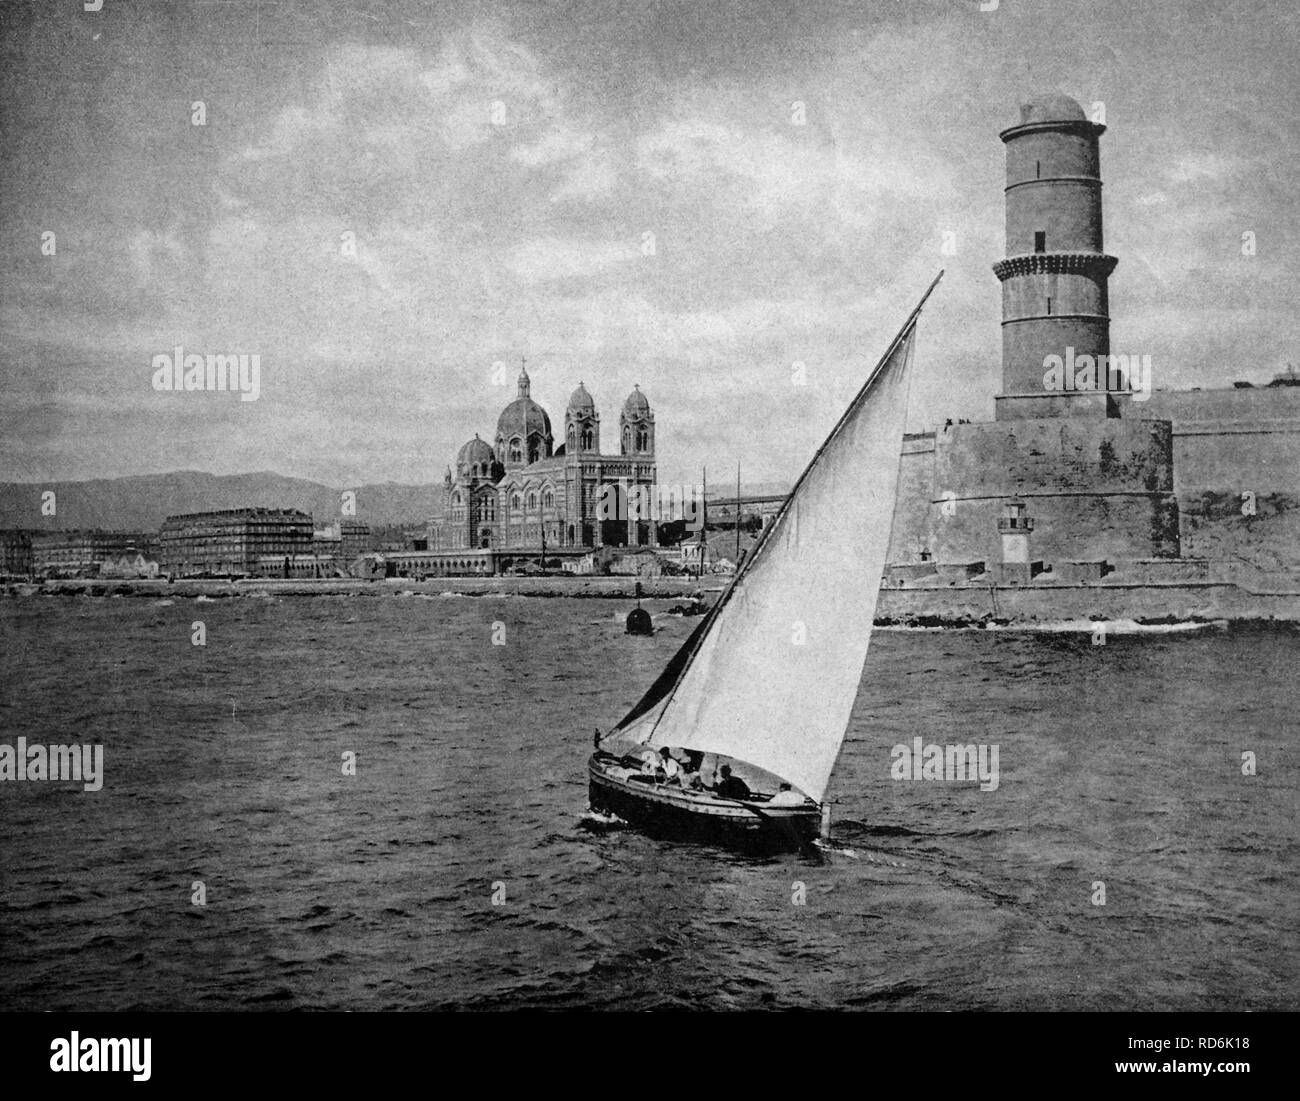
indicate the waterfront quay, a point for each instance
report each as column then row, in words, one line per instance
column 595, row 587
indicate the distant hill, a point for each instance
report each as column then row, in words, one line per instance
column 141, row 503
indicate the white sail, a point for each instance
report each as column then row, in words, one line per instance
column 771, row 675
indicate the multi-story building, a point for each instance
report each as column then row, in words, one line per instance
column 15, row 553
column 88, row 553
column 345, row 540
column 239, row 541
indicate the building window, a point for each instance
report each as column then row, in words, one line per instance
column 516, row 450
column 532, row 502
column 1038, row 170
column 1040, row 241
column 1049, row 305
column 548, row 499
column 514, row 501
column 586, row 440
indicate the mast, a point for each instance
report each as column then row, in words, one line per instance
column 704, row 519
column 737, row 514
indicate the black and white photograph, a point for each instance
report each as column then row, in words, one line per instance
column 649, row 506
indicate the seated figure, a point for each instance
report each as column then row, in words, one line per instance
column 731, row 787
column 671, row 771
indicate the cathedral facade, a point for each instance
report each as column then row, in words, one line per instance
column 521, row 492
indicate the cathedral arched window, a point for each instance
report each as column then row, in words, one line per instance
column 514, row 501
column 642, row 440
column 532, row 502
column 586, row 440
column 516, row 450
column 627, row 439
column 573, row 440
column 548, row 499
column 534, row 448
column 455, row 498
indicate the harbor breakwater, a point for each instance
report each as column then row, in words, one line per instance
column 961, row 605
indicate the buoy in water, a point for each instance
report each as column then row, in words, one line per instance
column 638, row 622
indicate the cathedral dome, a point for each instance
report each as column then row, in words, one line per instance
column 636, row 402
column 1051, row 107
column 523, row 429
column 523, row 417
column 476, row 451
column 580, row 401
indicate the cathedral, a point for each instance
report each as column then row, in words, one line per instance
column 522, row 493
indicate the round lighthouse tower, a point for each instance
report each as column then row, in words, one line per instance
column 1054, row 299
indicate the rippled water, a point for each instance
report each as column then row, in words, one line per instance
column 1119, row 763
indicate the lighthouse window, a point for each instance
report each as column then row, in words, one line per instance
column 1038, row 170
column 1040, row 241
column 1049, row 303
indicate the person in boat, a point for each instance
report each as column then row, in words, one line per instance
column 786, row 797
column 670, row 770
column 731, row 787
column 690, row 777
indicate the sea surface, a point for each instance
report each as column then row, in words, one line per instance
column 458, row 868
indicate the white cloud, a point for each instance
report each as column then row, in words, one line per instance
column 558, row 144
column 1195, row 167
column 588, row 177
column 151, row 251
column 548, row 258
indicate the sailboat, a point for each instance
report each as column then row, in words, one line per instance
column 767, row 680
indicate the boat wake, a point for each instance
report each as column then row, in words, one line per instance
column 824, row 844
column 597, row 822
column 851, row 829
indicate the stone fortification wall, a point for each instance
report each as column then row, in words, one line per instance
column 1094, row 488
column 1237, row 472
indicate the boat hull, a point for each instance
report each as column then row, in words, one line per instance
column 666, row 811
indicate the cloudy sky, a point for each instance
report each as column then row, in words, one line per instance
column 390, row 199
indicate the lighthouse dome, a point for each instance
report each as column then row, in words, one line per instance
column 1051, row 107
